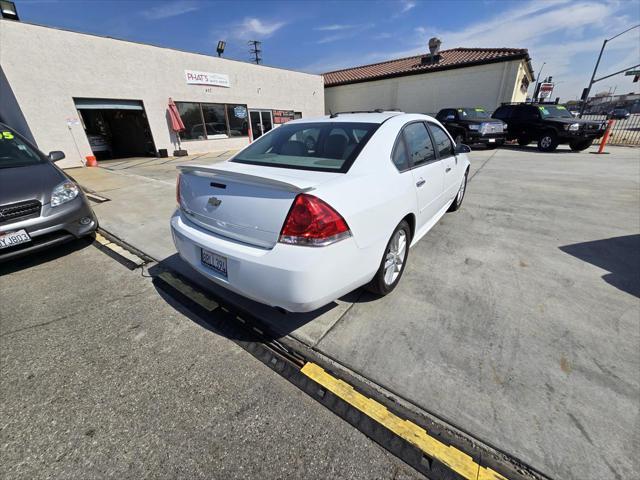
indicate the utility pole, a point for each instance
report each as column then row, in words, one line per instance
column 255, row 49
column 595, row 69
column 535, row 89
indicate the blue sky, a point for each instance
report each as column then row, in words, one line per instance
column 318, row 36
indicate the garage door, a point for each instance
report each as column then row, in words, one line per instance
column 105, row 104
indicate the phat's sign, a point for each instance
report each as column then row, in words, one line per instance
column 207, row 78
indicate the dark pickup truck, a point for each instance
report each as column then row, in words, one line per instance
column 549, row 125
column 472, row 126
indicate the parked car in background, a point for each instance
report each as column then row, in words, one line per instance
column 619, row 113
column 295, row 224
column 472, row 126
column 40, row 206
column 549, row 125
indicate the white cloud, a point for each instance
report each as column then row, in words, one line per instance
column 254, row 27
column 343, row 32
column 407, row 5
column 170, row 9
column 334, row 27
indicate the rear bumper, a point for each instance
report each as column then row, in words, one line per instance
column 296, row 278
column 53, row 226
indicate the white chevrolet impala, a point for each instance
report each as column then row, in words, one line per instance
column 317, row 208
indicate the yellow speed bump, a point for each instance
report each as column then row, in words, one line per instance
column 455, row 459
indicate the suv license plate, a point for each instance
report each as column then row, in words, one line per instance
column 214, row 261
column 492, row 140
column 14, row 238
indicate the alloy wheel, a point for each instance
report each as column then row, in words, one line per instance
column 394, row 259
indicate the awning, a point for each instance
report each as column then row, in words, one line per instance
column 104, row 104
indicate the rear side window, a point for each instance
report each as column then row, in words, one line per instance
column 418, row 144
column 526, row 113
column 503, row 113
column 400, row 157
column 443, row 142
column 323, row 146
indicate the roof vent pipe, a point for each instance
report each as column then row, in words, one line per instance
column 434, row 49
column 434, row 46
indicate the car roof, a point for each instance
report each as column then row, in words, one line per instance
column 358, row 117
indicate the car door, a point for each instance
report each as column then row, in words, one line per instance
column 428, row 175
column 445, row 152
column 505, row 113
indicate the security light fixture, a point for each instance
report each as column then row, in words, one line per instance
column 8, row 10
column 220, row 49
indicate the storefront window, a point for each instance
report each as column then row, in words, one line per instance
column 204, row 121
column 214, row 120
column 238, row 120
column 192, row 119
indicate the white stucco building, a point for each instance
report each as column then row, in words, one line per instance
column 459, row 77
column 91, row 95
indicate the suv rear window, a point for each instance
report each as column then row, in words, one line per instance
column 322, row 146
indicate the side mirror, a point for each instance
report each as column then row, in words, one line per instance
column 56, row 155
column 462, row 148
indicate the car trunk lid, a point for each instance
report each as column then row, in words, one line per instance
column 248, row 203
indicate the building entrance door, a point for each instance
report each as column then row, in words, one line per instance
column 261, row 122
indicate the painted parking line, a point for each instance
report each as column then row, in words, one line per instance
column 458, row 461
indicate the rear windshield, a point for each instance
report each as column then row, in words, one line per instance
column 15, row 152
column 323, row 146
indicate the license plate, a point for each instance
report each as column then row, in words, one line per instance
column 492, row 140
column 214, row 261
column 14, row 238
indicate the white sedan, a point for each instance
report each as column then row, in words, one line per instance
column 317, row 208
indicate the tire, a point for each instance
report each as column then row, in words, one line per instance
column 524, row 141
column 459, row 139
column 457, row 202
column 386, row 279
column 580, row 145
column 548, row 142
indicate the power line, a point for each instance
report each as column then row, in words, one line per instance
column 255, row 50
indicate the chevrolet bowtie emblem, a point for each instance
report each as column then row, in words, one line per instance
column 214, row 202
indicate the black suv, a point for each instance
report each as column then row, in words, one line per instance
column 472, row 125
column 549, row 125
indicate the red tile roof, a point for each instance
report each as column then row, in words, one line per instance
column 449, row 59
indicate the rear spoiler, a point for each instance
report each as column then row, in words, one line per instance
column 245, row 178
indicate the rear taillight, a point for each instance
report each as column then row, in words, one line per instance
column 178, row 190
column 313, row 223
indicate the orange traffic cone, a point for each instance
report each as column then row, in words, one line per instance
column 91, row 161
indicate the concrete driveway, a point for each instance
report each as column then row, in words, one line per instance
column 517, row 319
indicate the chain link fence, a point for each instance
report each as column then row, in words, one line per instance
column 624, row 132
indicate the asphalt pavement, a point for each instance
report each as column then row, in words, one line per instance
column 104, row 376
column 517, row 320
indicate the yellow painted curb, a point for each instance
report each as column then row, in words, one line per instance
column 455, row 459
column 189, row 292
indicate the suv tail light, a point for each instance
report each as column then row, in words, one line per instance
column 313, row 223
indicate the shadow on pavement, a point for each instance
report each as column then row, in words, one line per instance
column 43, row 256
column 619, row 255
column 275, row 323
column 533, row 149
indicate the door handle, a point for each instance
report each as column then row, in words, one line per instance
column 420, row 182
column 448, row 169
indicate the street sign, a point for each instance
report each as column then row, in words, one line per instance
column 545, row 91
column 632, row 72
